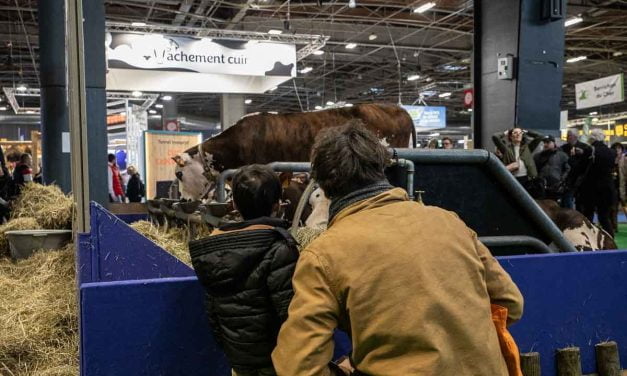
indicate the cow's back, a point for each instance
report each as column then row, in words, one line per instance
column 266, row 138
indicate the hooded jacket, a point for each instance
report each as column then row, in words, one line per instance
column 412, row 286
column 246, row 269
column 553, row 166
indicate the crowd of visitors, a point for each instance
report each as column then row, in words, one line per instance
column 587, row 176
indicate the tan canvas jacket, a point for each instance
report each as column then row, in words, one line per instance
column 410, row 284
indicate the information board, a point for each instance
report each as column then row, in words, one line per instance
column 427, row 117
column 159, row 149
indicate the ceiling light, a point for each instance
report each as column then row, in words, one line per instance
column 248, row 101
column 372, row 37
column 306, row 70
column 138, row 24
column 21, row 87
column 470, row 110
column 32, row 112
column 445, row 95
column 167, row 98
column 352, row 4
column 424, row 7
column 275, row 31
column 152, row 112
column 137, row 93
column 617, row 54
column 159, row 105
column 594, row 113
column 594, row 120
column 413, row 77
column 330, row 103
column 573, row 21
column 576, row 59
column 3, row 108
column 155, row 116
column 318, row 107
column 350, row 46
column 318, row 52
column 348, row 105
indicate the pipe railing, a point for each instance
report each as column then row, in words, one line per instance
column 502, row 176
column 516, row 241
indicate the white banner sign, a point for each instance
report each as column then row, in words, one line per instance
column 564, row 119
column 155, row 62
column 605, row 90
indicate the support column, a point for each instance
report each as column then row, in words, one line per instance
column 55, row 125
column 232, row 108
column 531, row 32
column 95, row 86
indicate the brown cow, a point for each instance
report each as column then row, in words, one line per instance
column 576, row 228
column 265, row 138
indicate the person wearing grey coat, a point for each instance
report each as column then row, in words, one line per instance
column 553, row 167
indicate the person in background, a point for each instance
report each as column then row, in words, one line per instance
column 553, row 167
column 447, row 143
column 579, row 157
column 517, row 147
column 135, row 189
column 246, row 269
column 6, row 184
column 116, row 192
column 618, row 176
column 433, row 144
column 367, row 275
column 23, row 173
column 597, row 189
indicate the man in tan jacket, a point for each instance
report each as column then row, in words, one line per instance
column 409, row 283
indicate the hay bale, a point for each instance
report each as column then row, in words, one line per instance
column 24, row 223
column 38, row 315
column 174, row 240
column 51, row 208
column 305, row 235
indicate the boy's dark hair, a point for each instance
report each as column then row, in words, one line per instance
column 256, row 189
column 111, row 157
column 347, row 158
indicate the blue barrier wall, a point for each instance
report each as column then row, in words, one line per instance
column 142, row 310
column 573, row 299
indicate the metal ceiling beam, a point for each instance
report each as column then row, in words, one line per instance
column 186, row 5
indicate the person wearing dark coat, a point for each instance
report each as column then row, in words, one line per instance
column 135, row 188
column 579, row 157
column 597, row 189
column 246, row 269
column 553, row 167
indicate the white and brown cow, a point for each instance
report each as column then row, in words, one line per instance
column 576, row 228
column 265, row 138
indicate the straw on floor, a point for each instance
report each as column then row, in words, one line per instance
column 38, row 315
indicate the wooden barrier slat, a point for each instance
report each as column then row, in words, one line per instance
column 608, row 361
column 568, row 362
column 530, row 364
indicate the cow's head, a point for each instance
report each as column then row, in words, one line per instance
column 196, row 177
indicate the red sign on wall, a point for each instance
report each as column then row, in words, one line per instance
column 469, row 98
column 171, row 125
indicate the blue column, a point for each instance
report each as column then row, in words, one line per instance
column 95, row 82
column 54, row 110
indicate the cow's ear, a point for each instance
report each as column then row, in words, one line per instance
column 178, row 160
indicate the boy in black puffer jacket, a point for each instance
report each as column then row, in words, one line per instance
column 246, row 269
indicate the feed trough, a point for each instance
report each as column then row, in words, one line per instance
column 23, row 243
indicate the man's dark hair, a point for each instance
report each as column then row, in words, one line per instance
column 347, row 158
column 256, row 190
column 447, row 139
column 111, row 157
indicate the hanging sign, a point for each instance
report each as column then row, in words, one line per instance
column 427, row 117
column 468, row 98
column 564, row 119
column 602, row 91
column 156, row 62
column 159, row 149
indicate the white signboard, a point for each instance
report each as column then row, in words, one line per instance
column 602, row 91
column 564, row 119
column 156, row 62
column 136, row 124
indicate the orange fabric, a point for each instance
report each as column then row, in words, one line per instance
column 508, row 345
column 251, row 227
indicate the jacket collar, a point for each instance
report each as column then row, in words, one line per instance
column 389, row 196
column 267, row 221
